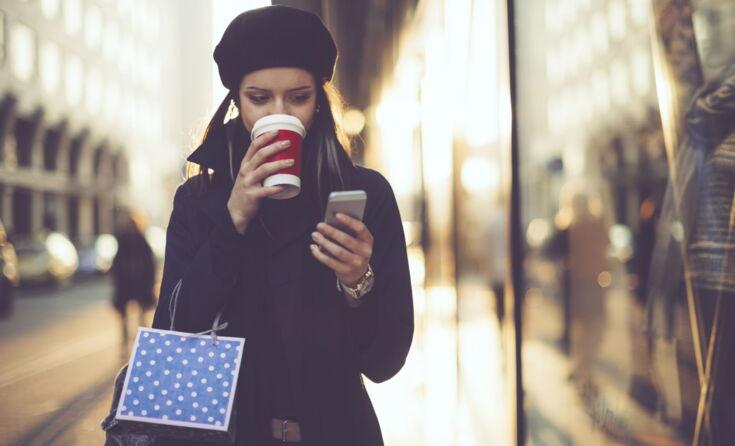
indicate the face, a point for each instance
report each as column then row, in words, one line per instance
column 714, row 23
column 282, row 90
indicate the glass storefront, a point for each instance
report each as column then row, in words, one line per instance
column 626, row 137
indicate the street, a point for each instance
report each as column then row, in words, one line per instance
column 61, row 350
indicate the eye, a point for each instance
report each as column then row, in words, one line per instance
column 258, row 98
column 300, row 98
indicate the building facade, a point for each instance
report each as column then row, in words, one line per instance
column 94, row 110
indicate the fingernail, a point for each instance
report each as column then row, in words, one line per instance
column 285, row 143
column 289, row 162
column 314, row 235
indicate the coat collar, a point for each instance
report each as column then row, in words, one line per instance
column 212, row 153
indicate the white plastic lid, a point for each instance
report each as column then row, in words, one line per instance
column 277, row 122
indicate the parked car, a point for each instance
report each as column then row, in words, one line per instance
column 8, row 273
column 49, row 257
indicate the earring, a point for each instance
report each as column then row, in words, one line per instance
column 317, row 109
column 232, row 111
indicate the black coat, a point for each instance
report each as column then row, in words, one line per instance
column 328, row 343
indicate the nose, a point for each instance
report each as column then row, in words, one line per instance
column 279, row 106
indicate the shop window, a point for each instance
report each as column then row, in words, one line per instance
column 99, row 157
column 21, row 211
column 50, row 211
column 24, row 129
column 626, row 206
column 51, row 142
column 75, row 153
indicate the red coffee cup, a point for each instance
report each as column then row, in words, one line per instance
column 289, row 128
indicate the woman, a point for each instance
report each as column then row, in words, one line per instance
column 271, row 265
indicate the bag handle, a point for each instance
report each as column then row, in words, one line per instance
column 216, row 326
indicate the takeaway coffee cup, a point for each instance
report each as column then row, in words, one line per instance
column 289, row 128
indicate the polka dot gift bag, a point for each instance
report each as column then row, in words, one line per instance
column 177, row 385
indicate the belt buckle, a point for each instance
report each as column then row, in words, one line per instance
column 284, row 430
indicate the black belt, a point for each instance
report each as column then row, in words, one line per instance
column 287, row 431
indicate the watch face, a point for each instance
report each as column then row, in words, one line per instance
column 367, row 284
column 363, row 286
column 352, row 293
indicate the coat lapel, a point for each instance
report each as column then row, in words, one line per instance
column 290, row 225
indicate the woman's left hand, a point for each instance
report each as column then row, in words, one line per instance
column 348, row 256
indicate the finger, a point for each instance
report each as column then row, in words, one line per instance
column 361, row 231
column 259, row 142
column 262, row 154
column 334, row 264
column 363, row 249
column 336, row 250
column 268, row 169
column 269, row 191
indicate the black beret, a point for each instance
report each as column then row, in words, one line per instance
column 274, row 36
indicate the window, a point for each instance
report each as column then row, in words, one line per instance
column 93, row 27
column 73, row 80
column 72, row 16
column 2, row 37
column 110, row 41
column 617, row 18
column 626, row 204
column 154, row 20
column 112, row 99
column 50, row 67
column 22, row 51
column 619, row 84
column 93, row 96
column 50, row 8
column 641, row 66
column 639, row 11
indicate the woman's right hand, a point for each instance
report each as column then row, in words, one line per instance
column 247, row 191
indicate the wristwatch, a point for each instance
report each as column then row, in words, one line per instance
column 363, row 286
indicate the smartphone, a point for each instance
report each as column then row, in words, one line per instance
column 349, row 202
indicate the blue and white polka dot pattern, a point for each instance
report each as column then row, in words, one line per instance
column 180, row 379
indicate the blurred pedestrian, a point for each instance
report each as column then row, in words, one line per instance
column 588, row 245
column 133, row 270
column 319, row 307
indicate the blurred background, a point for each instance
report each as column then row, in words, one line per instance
column 565, row 171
